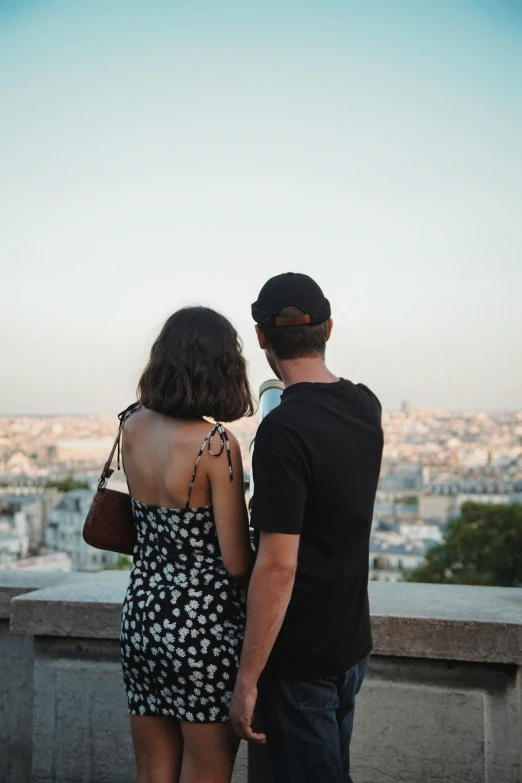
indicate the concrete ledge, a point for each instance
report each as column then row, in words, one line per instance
column 83, row 605
column 455, row 720
column 13, row 583
column 449, row 622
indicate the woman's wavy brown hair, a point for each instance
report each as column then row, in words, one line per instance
column 196, row 368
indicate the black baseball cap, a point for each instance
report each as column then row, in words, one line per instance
column 290, row 289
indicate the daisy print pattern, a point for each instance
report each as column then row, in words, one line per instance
column 183, row 616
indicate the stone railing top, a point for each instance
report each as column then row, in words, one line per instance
column 85, row 605
column 409, row 620
column 13, row 583
column 457, row 622
column 447, row 602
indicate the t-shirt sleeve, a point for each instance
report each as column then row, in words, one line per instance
column 281, row 475
column 372, row 395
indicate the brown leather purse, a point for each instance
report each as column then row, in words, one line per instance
column 110, row 523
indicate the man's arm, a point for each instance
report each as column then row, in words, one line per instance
column 268, row 597
column 281, row 476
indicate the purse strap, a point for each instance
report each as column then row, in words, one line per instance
column 107, row 470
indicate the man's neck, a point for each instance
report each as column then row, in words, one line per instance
column 307, row 370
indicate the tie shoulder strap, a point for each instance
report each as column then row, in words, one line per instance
column 107, row 470
column 224, row 445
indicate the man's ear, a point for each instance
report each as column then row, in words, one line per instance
column 263, row 342
column 330, row 327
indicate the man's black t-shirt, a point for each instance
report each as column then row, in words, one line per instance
column 316, row 465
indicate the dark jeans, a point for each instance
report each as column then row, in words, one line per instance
column 309, row 724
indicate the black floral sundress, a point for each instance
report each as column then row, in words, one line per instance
column 183, row 616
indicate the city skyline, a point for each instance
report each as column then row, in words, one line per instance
column 177, row 154
column 433, row 463
column 436, row 410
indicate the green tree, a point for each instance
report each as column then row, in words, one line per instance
column 481, row 547
column 68, row 484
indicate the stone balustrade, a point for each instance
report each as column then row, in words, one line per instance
column 442, row 701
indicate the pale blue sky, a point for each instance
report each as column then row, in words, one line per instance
column 157, row 154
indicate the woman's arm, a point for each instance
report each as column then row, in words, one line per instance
column 230, row 512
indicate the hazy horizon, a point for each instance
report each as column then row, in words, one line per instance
column 434, row 408
column 163, row 154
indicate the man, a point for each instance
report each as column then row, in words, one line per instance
column 316, row 465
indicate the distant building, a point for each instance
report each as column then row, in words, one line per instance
column 442, row 501
column 85, row 450
column 35, row 506
column 65, row 529
column 406, row 407
column 395, row 510
column 14, row 538
column 420, row 532
column 394, row 486
column 495, row 498
column 437, row 508
column 12, row 546
column 401, row 482
column 18, row 464
column 390, row 561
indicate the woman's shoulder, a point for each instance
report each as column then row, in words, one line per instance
column 190, row 432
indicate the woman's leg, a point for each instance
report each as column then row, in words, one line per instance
column 158, row 747
column 209, row 752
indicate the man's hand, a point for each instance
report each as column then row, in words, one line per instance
column 242, row 712
column 268, row 596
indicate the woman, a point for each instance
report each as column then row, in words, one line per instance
column 183, row 616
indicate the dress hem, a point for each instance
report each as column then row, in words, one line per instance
column 161, row 714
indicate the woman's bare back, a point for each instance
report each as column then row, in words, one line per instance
column 159, row 454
